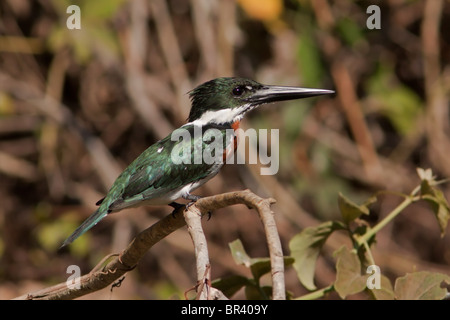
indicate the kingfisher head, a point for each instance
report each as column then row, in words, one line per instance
column 226, row 100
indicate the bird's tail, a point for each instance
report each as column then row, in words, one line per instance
column 86, row 225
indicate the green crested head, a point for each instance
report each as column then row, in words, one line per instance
column 220, row 94
column 225, row 100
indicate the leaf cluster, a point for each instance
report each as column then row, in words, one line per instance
column 356, row 270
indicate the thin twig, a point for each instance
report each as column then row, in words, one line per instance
column 436, row 97
column 58, row 112
column 136, row 84
column 172, row 52
column 194, row 225
column 262, row 206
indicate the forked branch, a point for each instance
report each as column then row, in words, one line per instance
column 108, row 272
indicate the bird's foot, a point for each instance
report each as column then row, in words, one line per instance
column 193, row 198
column 176, row 207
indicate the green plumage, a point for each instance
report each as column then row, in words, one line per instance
column 153, row 175
column 155, row 178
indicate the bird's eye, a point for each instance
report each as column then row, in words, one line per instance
column 239, row 90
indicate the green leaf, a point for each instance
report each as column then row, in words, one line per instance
column 239, row 254
column 230, row 285
column 101, row 10
column 305, row 248
column 258, row 266
column 51, row 235
column 308, row 56
column 351, row 211
column 253, row 292
column 261, row 266
column 437, row 202
column 348, row 273
column 95, row 35
column 400, row 104
column 350, row 31
column 422, row 285
column 386, row 292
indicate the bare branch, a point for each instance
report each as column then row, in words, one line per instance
column 194, row 225
column 262, row 206
column 101, row 277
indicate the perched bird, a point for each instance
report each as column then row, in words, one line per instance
column 168, row 170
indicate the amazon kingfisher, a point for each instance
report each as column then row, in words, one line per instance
column 154, row 178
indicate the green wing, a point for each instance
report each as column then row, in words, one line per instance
column 170, row 164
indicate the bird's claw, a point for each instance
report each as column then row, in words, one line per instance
column 176, row 207
column 190, row 204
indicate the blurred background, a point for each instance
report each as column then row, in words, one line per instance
column 77, row 106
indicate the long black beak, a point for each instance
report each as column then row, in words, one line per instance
column 268, row 94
